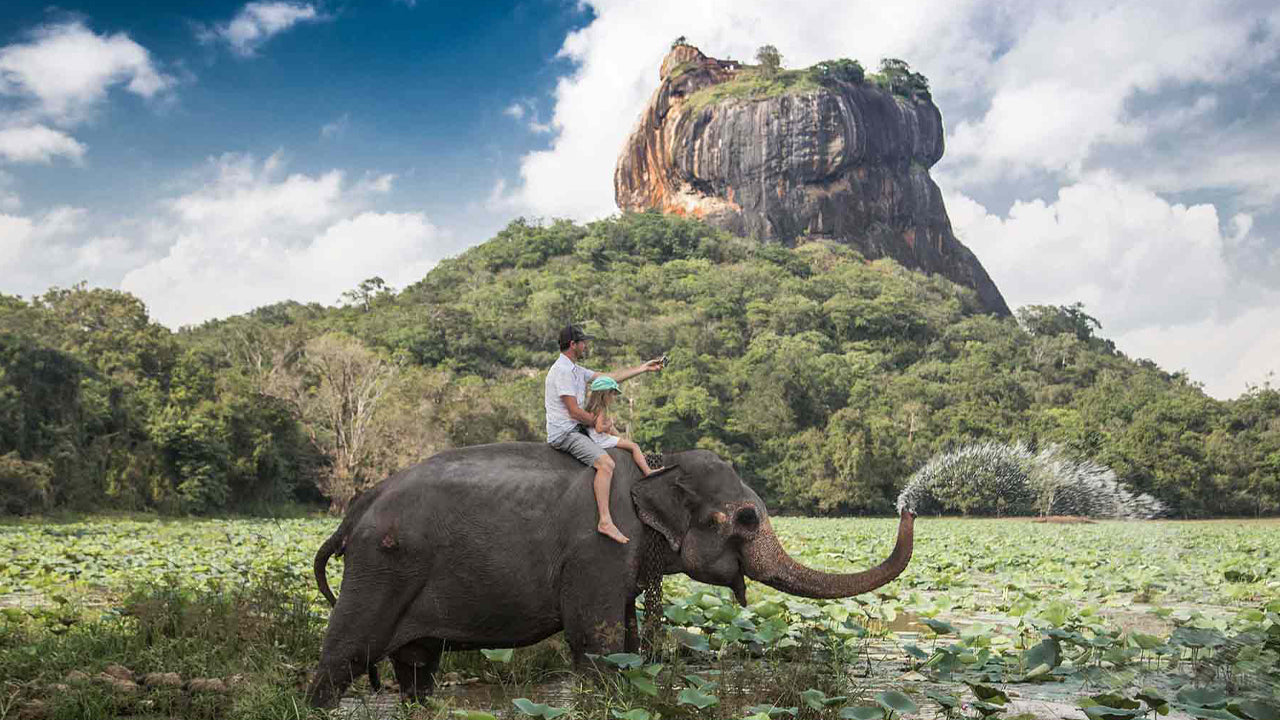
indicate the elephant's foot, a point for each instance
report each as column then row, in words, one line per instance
column 416, row 664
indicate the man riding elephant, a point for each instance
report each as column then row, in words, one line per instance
column 564, row 398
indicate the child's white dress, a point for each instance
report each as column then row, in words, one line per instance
column 604, row 440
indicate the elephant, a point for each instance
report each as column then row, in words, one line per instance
column 495, row 546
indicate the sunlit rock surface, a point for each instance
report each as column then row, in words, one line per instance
column 842, row 161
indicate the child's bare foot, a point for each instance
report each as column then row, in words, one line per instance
column 612, row 532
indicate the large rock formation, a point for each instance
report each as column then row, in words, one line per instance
column 840, row 160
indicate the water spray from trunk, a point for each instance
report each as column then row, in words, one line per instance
column 1010, row 479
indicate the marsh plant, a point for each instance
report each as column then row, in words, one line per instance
column 993, row 478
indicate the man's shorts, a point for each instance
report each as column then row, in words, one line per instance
column 579, row 446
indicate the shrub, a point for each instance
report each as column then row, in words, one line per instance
column 843, row 70
column 24, row 486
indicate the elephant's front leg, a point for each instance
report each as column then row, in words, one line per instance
column 595, row 618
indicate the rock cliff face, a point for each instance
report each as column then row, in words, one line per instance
column 843, row 161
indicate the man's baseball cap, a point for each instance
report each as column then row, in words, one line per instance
column 604, row 382
column 572, row 334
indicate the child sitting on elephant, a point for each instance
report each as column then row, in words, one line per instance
column 604, row 390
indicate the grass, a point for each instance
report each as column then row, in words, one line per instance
column 750, row 84
column 1185, row 610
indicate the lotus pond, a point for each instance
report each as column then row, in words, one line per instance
column 993, row 618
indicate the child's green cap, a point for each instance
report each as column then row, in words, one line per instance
column 604, row 382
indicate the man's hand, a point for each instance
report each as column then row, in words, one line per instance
column 653, row 365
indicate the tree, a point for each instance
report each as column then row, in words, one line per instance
column 843, row 69
column 1050, row 320
column 337, row 390
column 678, row 42
column 368, row 292
column 770, row 60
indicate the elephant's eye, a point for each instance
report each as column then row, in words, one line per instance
column 747, row 517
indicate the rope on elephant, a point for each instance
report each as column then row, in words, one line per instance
column 651, row 566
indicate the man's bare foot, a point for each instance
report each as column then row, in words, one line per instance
column 612, row 532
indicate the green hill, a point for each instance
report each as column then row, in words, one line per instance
column 826, row 379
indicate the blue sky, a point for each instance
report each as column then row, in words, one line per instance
column 213, row 157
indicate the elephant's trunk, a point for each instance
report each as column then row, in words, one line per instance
column 765, row 561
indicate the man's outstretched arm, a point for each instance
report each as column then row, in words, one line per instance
column 627, row 373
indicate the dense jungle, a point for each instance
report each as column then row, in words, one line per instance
column 826, row 379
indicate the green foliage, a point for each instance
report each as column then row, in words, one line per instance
column 825, row 379
column 897, row 77
column 987, row 612
column 25, row 487
column 839, row 70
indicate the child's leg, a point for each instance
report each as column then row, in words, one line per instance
column 603, row 479
column 636, row 455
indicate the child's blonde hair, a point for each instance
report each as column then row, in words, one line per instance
column 600, row 401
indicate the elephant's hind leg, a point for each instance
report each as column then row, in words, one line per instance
column 360, row 630
column 416, row 665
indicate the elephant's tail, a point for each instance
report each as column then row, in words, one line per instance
column 337, row 542
column 330, row 546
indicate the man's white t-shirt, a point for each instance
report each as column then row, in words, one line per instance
column 564, row 378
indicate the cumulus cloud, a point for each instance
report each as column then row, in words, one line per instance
column 62, row 72
column 1153, row 272
column 37, row 144
column 59, row 248
column 240, row 233
column 1061, row 91
column 258, row 22
column 249, row 233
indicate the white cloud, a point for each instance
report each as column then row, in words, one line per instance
column 37, row 144
column 253, row 234
column 63, row 72
column 58, row 248
column 335, row 129
column 1227, row 356
column 1061, row 90
column 258, row 22
column 1151, row 271
column 527, row 107
column 205, row 275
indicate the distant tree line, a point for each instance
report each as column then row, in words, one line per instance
column 826, row 379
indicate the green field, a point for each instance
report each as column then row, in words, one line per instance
column 1003, row 617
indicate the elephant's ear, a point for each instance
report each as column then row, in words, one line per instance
column 662, row 503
